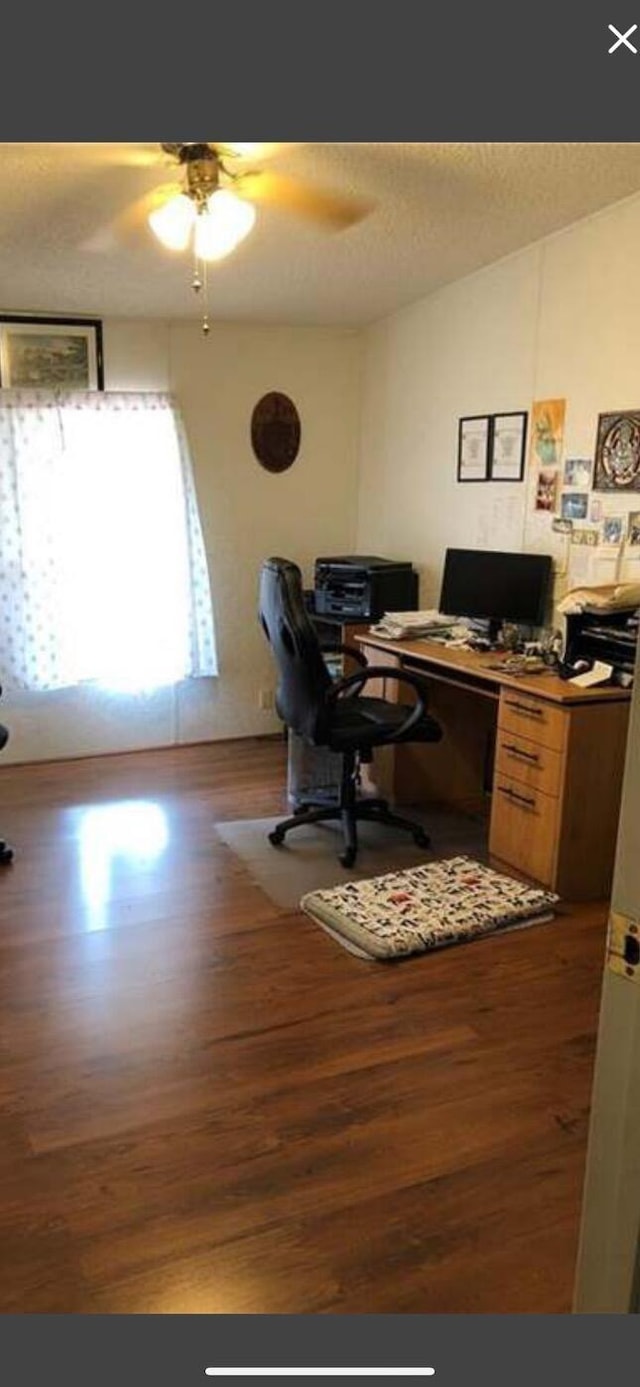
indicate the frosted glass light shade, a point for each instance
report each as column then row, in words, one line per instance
column 222, row 225
column 173, row 221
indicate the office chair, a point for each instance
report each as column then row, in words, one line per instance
column 6, row 853
column 335, row 715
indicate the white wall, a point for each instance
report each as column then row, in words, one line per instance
column 247, row 514
column 559, row 319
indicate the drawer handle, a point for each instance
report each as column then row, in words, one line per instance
column 521, row 799
column 525, row 708
column 525, row 755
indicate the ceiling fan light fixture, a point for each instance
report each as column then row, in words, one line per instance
column 173, row 222
column 222, row 224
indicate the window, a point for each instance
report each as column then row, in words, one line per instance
column 103, row 574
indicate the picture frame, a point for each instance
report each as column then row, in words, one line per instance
column 474, row 433
column 42, row 352
column 507, row 448
column 617, row 464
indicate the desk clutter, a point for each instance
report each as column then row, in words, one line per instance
column 426, row 908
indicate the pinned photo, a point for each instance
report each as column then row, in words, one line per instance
column 574, row 505
column 577, row 472
column 633, row 532
column 612, row 529
column 546, row 489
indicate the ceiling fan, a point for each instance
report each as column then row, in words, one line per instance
column 194, row 202
column 211, row 205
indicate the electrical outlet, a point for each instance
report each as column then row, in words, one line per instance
column 265, row 700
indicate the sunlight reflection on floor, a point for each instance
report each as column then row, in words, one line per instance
column 129, row 831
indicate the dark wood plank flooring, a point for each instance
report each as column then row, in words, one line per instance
column 208, row 1106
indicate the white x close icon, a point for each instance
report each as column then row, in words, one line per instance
column 622, row 38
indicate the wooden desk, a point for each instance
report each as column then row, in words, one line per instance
column 546, row 756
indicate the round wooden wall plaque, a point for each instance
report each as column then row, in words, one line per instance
column 275, row 431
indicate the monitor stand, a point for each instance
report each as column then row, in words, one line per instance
column 488, row 630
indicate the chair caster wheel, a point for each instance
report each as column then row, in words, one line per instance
column 348, row 857
column 276, row 837
column 421, row 839
column 6, row 854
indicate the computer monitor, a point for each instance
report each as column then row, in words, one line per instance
column 496, row 587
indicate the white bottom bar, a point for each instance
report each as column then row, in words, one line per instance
column 320, row 1372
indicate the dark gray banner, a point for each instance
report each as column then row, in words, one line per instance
column 463, row 1350
column 403, row 71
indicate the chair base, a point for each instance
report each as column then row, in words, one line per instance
column 350, row 813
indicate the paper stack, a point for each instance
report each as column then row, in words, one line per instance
column 398, row 626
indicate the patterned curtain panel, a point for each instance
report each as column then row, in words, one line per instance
column 103, row 575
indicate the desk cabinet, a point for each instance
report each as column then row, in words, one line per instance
column 556, row 791
column 554, row 783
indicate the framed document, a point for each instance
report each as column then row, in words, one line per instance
column 473, row 448
column 508, row 440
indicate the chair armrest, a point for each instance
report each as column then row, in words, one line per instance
column 356, row 682
column 336, row 647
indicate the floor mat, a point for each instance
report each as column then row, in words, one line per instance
column 308, row 859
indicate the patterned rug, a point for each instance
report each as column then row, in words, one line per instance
column 426, row 907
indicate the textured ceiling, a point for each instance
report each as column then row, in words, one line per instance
column 438, row 212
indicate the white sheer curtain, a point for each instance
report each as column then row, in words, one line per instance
column 103, row 573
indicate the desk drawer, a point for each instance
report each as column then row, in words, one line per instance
column 524, row 827
column 528, row 762
column 541, row 722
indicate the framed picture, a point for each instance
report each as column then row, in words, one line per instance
column 507, row 447
column 473, row 448
column 51, row 353
column 618, row 452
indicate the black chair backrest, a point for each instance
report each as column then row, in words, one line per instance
column 303, row 677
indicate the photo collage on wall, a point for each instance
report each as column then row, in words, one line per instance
column 594, row 502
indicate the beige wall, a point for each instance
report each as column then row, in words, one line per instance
column 561, row 318
column 247, row 514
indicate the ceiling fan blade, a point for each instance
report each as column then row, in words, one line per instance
column 253, row 153
column 131, row 156
column 333, row 210
column 133, row 219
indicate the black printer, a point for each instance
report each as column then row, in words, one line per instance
column 364, row 586
column 608, row 636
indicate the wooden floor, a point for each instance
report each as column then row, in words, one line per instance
column 208, row 1106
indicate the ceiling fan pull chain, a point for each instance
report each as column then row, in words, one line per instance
column 199, row 283
column 205, row 316
column 196, row 283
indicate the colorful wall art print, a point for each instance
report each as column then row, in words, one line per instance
column 546, row 489
column 618, row 452
column 547, row 429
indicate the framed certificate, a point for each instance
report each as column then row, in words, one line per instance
column 473, row 448
column 506, row 453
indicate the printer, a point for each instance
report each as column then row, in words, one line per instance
column 610, row 636
column 363, row 586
